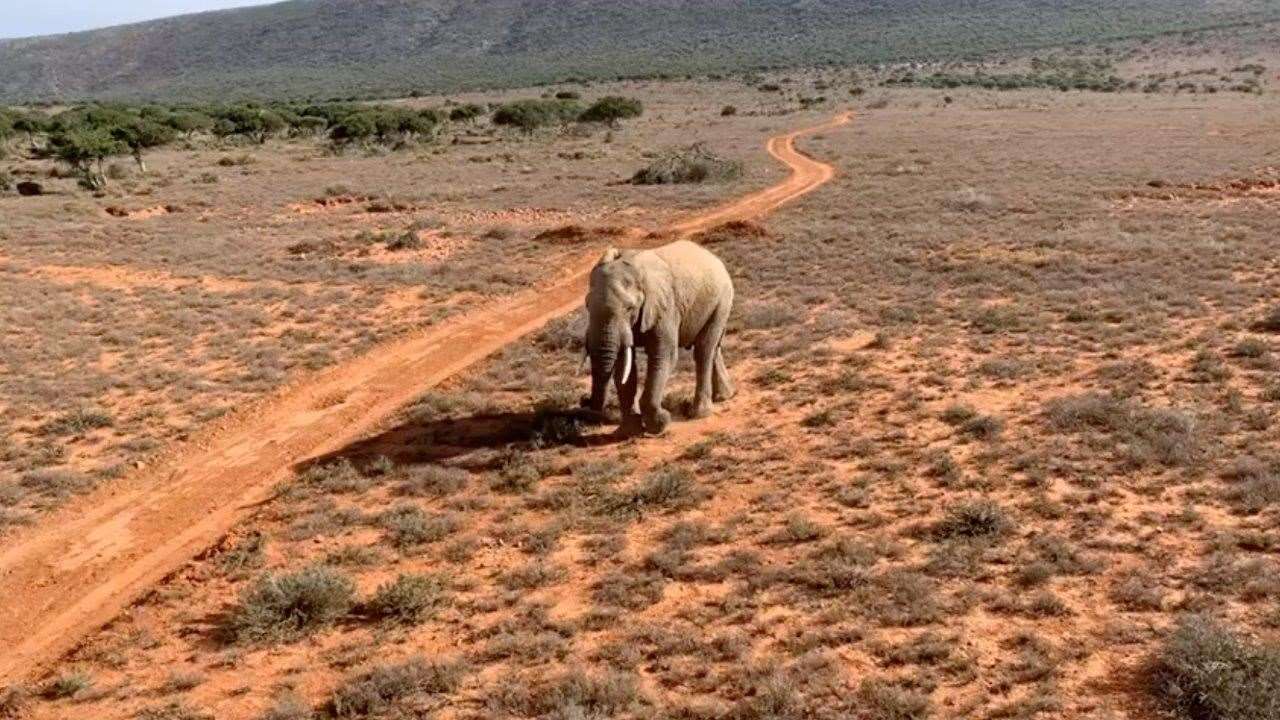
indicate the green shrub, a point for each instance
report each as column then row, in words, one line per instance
column 667, row 488
column 282, row 607
column 612, row 109
column 408, row 526
column 433, row 481
column 529, row 115
column 189, row 122
column 695, row 164
column 407, row 600
column 355, row 127
column 467, row 113
column 1207, row 672
column 256, row 123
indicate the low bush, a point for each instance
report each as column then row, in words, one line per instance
column 612, row 109
column 408, row 526
column 695, row 164
column 1206, row 671
column 280, row 607
column 1145, row 436
column 530, row 115
column 407, row 600
column 575, row 694
column 67, row 685
column 668, row 488
column 378, row 692
column 981, row 519
column 78, row 422
column 882, row 700
column 14, row 702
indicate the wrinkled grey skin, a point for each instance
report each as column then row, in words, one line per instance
column 676, row 296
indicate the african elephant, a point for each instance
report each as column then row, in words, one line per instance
column 676, row 296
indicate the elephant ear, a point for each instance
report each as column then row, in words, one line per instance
column 658, row 299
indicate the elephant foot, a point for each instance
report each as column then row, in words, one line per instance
column 724, row 394
column 632, row 426
column 700, row 410
column 656, row 423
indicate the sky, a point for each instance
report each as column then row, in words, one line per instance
column 24, row 18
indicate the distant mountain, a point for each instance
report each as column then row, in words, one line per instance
column 332, row 48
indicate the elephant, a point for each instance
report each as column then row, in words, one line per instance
column 676, row 296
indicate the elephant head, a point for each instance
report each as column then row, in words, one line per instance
column 623, row 301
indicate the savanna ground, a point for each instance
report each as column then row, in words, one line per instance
column 1006, row 419
column 135, row 318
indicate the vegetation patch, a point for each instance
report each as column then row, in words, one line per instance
column 408, row 600
column 281, row 607
column 695, row 164
column 1206, row 671
column 381, row 691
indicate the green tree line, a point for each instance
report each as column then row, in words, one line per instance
column 86, row 136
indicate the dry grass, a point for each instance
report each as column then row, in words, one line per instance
column 982, row 463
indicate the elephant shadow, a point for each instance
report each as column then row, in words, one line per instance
column 437, row 440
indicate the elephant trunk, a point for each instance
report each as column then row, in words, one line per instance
column 606, row 347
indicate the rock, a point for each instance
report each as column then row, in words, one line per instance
column 30, row 189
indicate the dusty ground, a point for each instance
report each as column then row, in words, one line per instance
column 1007, row 410
column 135, row 319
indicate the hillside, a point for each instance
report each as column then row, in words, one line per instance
column 308, row 48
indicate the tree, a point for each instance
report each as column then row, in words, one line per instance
column 142, row 134
column 30, row 125
column 612, row 109
column 85, row 148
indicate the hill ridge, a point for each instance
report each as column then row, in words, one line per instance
column 335, row 48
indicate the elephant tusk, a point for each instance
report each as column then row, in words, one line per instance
column 626, row 365
column 582, row 366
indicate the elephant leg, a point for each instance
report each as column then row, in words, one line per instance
column 628, row 396
column 704, row 359
column 723, row 386
column 662, row 359
column 711, row 376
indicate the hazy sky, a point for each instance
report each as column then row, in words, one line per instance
column 22, row 18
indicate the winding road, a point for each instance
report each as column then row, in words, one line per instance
column 81, row 566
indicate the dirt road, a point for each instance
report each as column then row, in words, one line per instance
column 82, row 565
